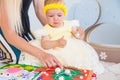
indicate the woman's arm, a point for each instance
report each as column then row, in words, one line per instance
column 11, row 36
column 48, row 60
column 38, row 6
column 46, row 43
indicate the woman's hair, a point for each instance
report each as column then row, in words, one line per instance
column 13, row 8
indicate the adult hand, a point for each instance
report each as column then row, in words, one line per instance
column 48, row 60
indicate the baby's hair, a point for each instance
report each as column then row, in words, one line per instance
column 53, row 1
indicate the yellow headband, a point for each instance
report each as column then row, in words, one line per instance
column 55, row 6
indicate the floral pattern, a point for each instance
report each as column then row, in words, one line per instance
column 103, row 55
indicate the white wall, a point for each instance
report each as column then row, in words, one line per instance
column 110, row 11
column 34, row 22
column 110, row 14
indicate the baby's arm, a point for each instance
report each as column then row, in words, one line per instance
column 46, row 43
column 78, row 32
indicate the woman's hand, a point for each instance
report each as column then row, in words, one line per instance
column 48, row 60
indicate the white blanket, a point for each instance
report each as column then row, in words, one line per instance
column 112, row 71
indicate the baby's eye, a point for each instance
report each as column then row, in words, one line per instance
column 51, row 16
column 59, row 15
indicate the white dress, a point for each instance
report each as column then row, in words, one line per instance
column 76, row 53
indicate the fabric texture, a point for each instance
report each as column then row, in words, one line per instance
column 8, row 53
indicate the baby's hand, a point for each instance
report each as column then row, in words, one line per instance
column 78, row 32
column 61, row 42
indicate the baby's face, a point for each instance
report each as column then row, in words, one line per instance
column 55, row 17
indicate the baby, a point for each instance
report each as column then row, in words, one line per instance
column 63, row 41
